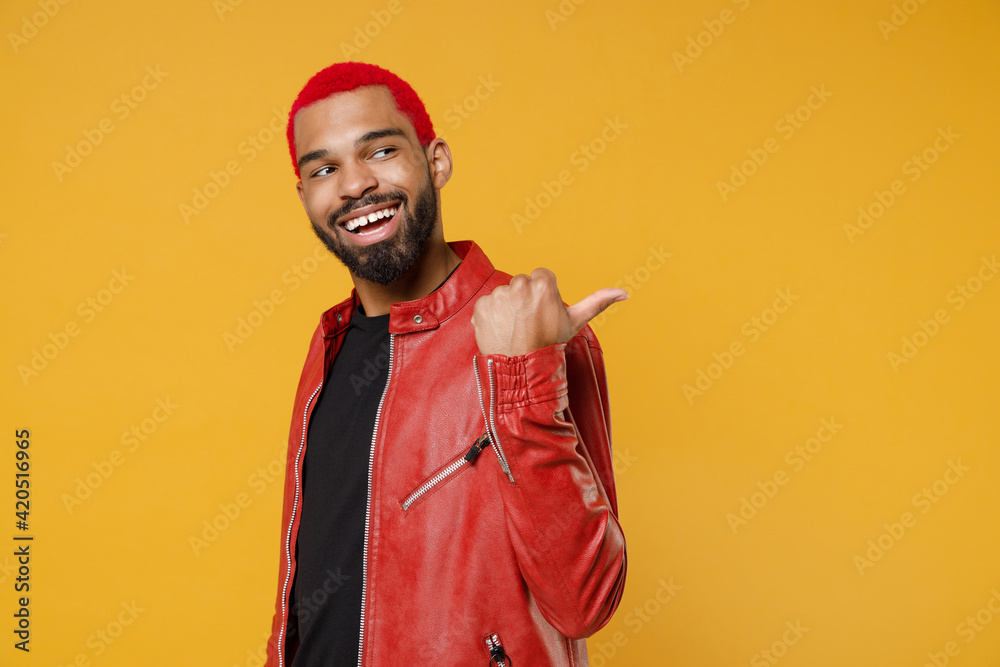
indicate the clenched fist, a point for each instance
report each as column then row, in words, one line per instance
column 528, row 314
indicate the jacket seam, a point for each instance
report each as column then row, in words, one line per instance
column 474, row 295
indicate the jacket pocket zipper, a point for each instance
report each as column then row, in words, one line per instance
column 488, row 415
column 455, row 466
column 498, row 657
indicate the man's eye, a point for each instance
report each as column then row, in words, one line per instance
column 383, row 152
column 325, row 171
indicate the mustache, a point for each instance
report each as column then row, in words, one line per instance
column 368, row 200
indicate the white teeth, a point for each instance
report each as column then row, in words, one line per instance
column 363, row 220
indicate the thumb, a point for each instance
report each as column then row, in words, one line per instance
column 590, row 307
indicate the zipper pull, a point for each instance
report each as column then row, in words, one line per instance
column 478, row 446
column 498, row 656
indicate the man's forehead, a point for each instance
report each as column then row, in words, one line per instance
column 351, row 114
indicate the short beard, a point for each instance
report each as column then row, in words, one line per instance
column 387, row 261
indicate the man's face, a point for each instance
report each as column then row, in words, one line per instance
column 366, row 182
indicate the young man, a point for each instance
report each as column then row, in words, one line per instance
column 449, row 496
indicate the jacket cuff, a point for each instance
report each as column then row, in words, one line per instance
column 523, row 380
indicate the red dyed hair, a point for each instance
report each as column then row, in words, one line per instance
column 344, row 77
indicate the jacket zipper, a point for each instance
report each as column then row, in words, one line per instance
column 368, row 508
column 491, row 426
column 478, row 446
column 498, row 656
column 288, row 538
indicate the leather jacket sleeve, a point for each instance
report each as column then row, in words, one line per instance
column 548, row 418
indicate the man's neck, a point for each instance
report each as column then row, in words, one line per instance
column 433, row 267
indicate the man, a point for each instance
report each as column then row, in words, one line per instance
column 449, row 497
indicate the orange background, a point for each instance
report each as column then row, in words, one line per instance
column 711, row 156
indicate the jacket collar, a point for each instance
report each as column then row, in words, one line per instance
column 430, row 311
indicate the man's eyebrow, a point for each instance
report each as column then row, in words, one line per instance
column 378, row 134
column 315, row 155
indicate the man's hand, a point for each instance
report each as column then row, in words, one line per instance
column 528, row 314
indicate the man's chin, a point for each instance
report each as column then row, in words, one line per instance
column 382, row 262
column 387, row 259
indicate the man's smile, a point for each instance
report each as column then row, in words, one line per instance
column 371, row 224
column 366, row 218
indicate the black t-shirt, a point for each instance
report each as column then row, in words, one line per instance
column 328, row 582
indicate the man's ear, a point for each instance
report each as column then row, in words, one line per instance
column 302, row 195
column 439, row 161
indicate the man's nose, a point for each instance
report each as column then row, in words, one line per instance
column 357, row 178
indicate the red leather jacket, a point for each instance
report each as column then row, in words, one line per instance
column 491, row 525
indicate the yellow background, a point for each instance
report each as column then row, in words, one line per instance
column 557, row 74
